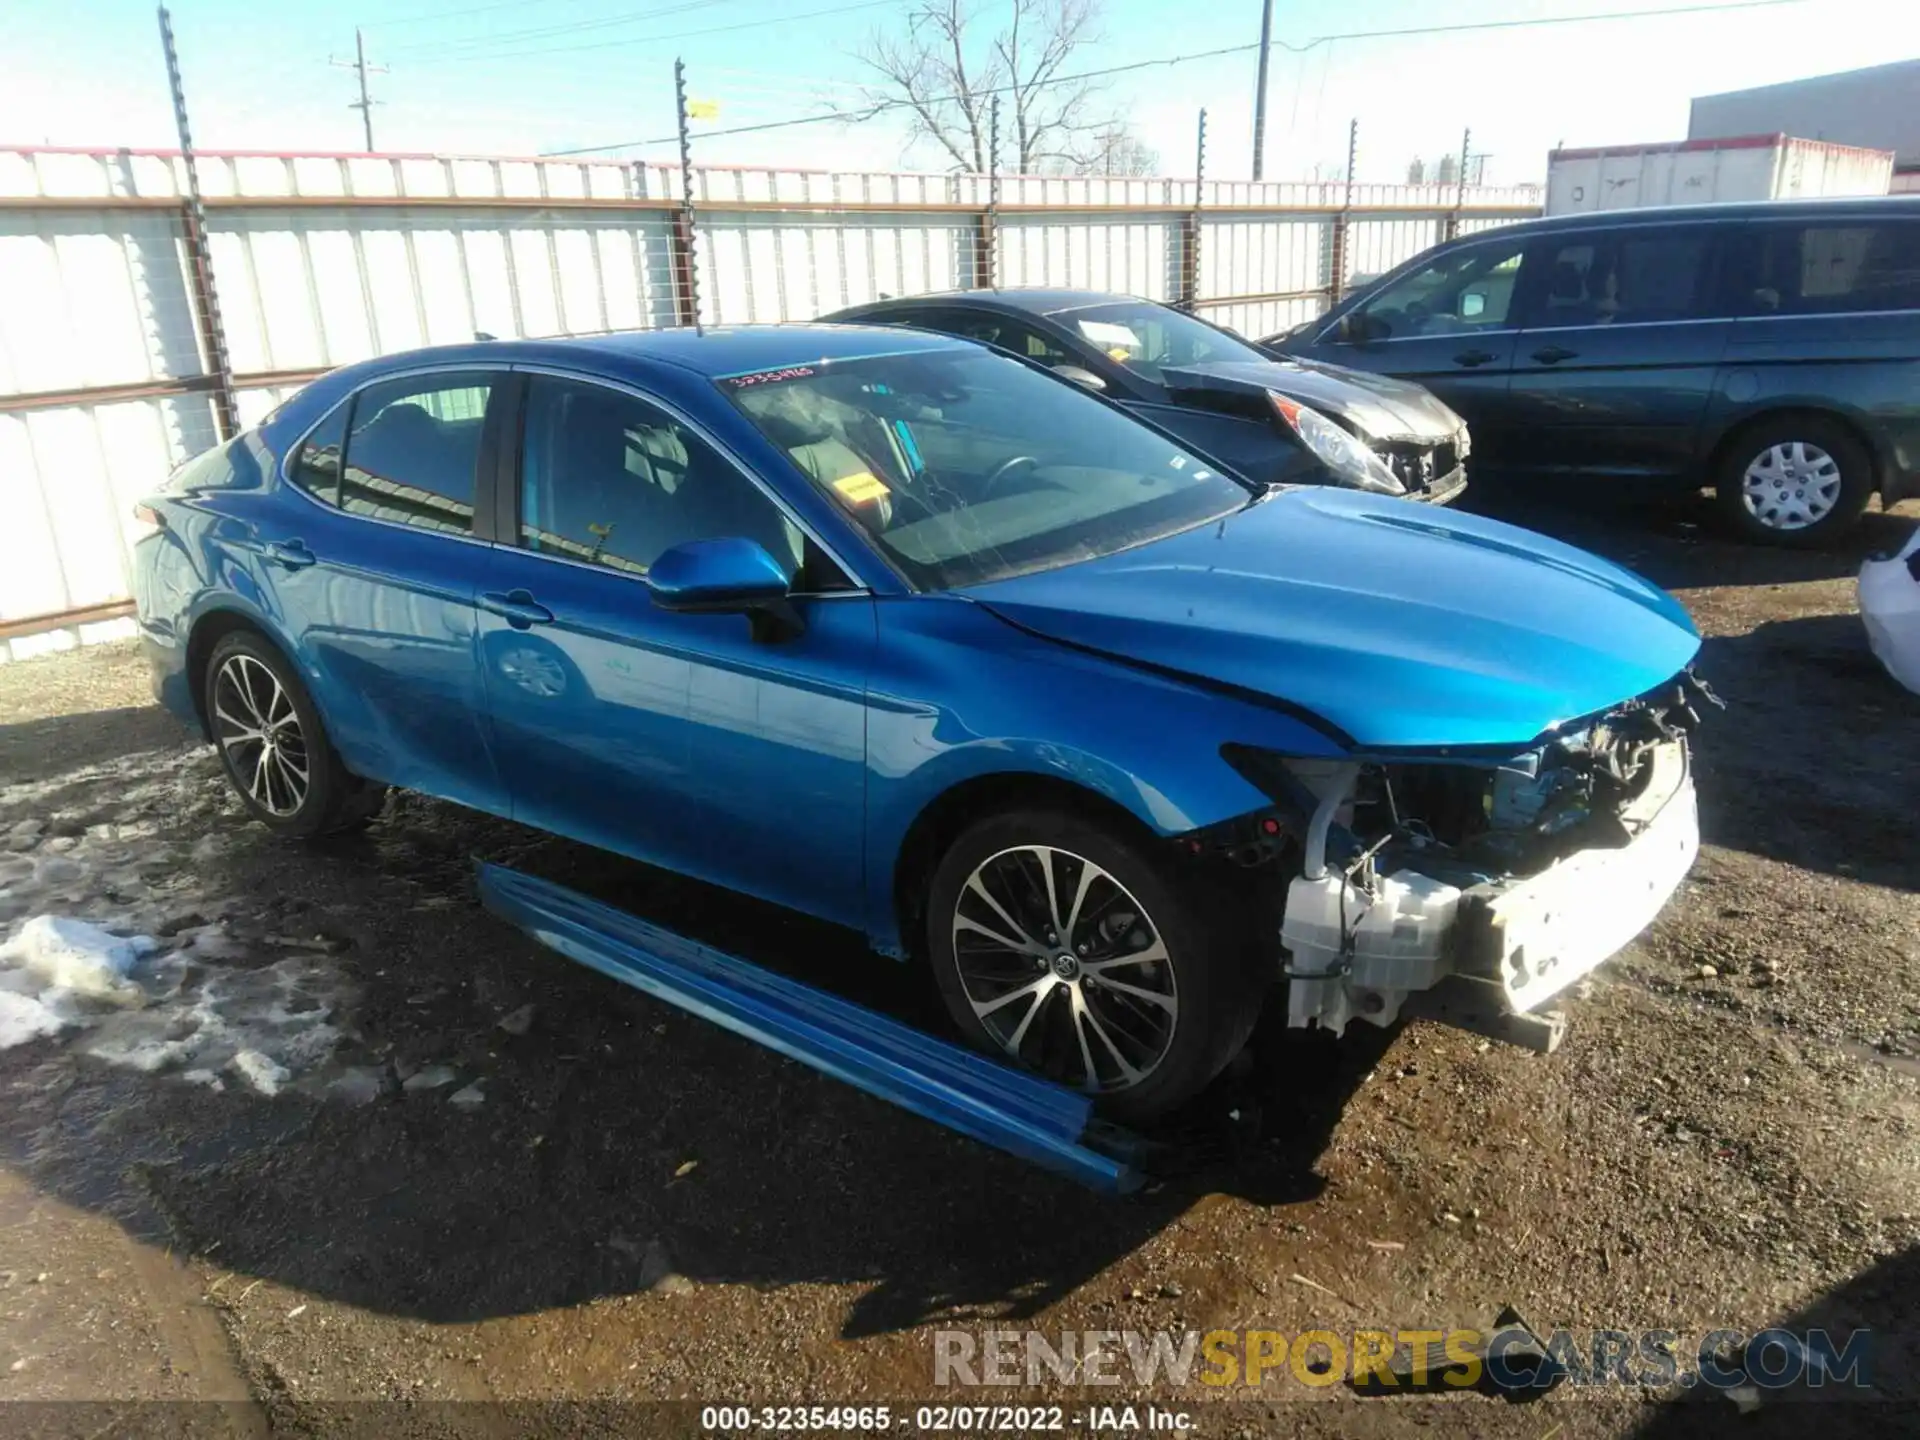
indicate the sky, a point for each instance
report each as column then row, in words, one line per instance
column 533, row 76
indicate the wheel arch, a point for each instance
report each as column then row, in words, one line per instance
column 208, row 630
column 1730, row 438
column 941, row 821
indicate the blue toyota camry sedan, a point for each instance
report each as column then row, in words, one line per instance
column 905, row 633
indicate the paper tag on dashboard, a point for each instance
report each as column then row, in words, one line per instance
column 861, row 487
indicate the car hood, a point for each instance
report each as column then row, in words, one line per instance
column 1378, row 405
column 1399, row 625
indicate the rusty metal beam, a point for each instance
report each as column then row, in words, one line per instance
column 663, row 205
column 57, row 619
column 1216, row 301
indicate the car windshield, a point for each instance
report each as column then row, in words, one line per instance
column 1149, row 338
column 966, row 466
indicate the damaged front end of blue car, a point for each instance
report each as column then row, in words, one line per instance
column 1476, row 888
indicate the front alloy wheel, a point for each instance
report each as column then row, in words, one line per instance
column 1064, row 968
column 1087, row 952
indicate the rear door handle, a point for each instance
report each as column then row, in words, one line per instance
column 1554, row 354
column 517, row 607
column 1471, row 358
column 293, row 554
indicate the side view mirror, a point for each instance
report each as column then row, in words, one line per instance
column 1081, row 377
column 1350, row 329
column 729, row 576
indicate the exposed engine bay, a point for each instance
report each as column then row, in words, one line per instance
column 1471, row 888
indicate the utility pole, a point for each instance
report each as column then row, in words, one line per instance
column 213, row 336
column 1260, row 90
column 361, row 70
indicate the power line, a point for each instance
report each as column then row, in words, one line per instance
column 879, row 107
column 760, row 24
column 572, row 27
column 439, row 15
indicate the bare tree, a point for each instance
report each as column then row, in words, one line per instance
column 1112, row 149
column 942, row 71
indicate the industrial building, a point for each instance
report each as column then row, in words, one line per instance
column 1878, row 107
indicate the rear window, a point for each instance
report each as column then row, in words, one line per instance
column 1828, row 269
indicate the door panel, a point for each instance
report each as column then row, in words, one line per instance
column 380, row 603
column 1616, row 363
column 676, row 739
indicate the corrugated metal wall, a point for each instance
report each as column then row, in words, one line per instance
column 321, row 260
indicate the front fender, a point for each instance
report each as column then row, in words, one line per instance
column 992, row 700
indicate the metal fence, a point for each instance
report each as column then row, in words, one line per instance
column 319, row 260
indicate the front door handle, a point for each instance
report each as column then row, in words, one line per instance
column 517, row 607
column 1470, row 358
column 293, row 554
column 1554, row 354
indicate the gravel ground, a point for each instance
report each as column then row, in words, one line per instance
column 461, row 1169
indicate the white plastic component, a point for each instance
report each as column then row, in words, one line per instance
column 1398, row 934
column 1890, row 607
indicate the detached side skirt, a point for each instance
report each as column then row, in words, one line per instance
column 1021, row 1114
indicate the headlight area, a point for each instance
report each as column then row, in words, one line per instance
column 1473, row 890
column 1351, row 462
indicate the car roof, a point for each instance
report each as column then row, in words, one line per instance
column 1017, row 299
column 716, row 351
column 1857, row 207
column 711, row 351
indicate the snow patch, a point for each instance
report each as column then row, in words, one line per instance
column 77, row 957
column 262, row 1072
column 24, row 1018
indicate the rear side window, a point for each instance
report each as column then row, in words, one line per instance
column 1828, row 269
column 316, row 464
column 1624, row 277
column 413, row 449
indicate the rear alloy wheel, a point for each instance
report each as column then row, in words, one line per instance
column 1065, row 951
column 273, row 746
column 1798, row 481
column 259, row 735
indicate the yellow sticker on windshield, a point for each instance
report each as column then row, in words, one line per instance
column 861, row 488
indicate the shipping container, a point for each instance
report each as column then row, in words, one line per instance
column 1700, row 172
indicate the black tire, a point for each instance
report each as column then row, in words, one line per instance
column 266, row 775
column 1210, row 969
column 1771, row 511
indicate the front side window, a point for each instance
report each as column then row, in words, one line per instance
column 1461, row 292
column 1148, row 339
column 608, row 479
column 1827, row 269
column 965, row 466
column 1627, row 277
column 413, row 449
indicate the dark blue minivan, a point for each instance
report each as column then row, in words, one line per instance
column 1770, row 351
